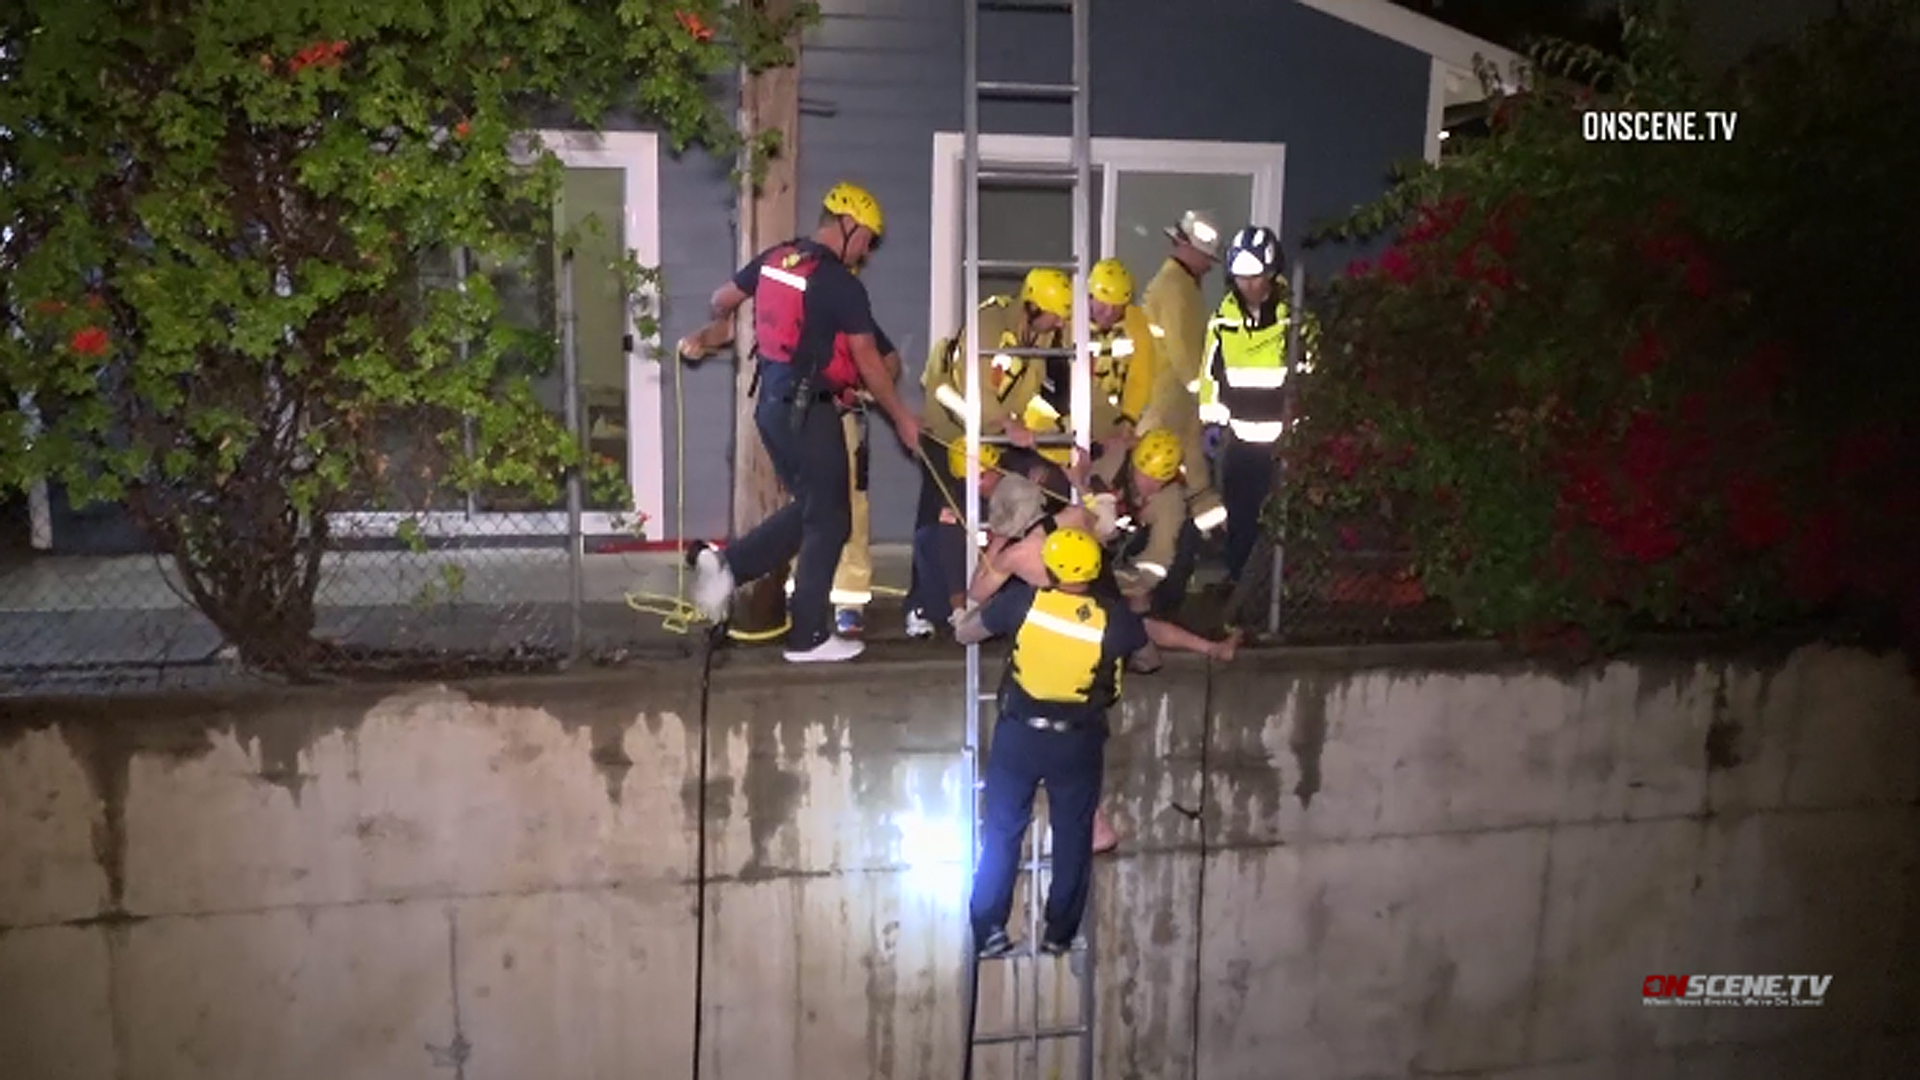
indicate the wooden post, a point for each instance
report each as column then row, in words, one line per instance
column 769, row 100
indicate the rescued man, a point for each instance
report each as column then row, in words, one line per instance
column 1064, row 673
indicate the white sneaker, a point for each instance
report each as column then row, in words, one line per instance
column 712, row 588
column 919, row 627
column 831, row 651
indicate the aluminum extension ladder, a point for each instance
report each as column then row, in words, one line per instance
column 1074, row 177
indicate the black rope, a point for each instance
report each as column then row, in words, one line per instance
column 712, row 638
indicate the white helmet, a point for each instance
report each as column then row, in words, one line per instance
column 1254, row 252
column 1197, row 229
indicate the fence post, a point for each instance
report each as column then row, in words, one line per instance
column 576, row 539
column 1296, row 311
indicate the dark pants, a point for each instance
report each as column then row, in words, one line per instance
column 1171, row 593
column 812, row 464
column 939, row 569
column 1019, row 759
column 1246, row 479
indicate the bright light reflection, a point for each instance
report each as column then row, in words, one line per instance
column 932, row 847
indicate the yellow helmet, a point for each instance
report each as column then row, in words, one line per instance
column 957, row 458
column 1158, row 454
column 1050, row 290
column 1109, row 283
column 1072, row 556
column 857, row 203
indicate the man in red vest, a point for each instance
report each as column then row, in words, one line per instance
column 815, row 344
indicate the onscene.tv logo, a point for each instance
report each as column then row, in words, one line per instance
column 1734, row 989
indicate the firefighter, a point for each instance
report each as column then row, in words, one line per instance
column 939, row 548
column 1062, row 678
column 1036, row 319
column 1156, row 543
column 1125, row 359
column 814, row 340
column 1242, row 383
column 1174, row 303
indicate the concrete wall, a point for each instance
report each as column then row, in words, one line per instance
column 1413, row 864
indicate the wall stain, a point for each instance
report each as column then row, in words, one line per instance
column 883, row 991
column 1723, row 732
column 773, row 795
column 1308, row 740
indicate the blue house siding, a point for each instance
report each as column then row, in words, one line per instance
column 698, row 223
column 880, row 77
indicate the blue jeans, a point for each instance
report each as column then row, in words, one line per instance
column 1019, row 760
column 939, row 569
column 1246, row 479
column 812, row 464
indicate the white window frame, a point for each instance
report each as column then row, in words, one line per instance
column 1265, row 162
column 637, row 153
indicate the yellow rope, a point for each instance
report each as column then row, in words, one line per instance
column 676, row 614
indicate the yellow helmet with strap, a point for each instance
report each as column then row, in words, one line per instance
column 1072, row 556
column 1110, row 283
column 1158, row 455
column 1050, row 290
column 857, row 203
column 957, row 457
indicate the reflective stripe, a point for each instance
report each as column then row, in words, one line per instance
column 1151, row 568
column 1123, row 522
column 1256, row 378
column 982, row 538
column 1193, row 387
column 1214, row 414
column 948, row 396
column 1154, row 328
column 1123, row 347
column 784, row 278
column 1257, row 431
column 1003, row 361
column 1058, row 625
column 1208, row 520
column 850, row 597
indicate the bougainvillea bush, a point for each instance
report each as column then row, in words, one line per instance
column 227, row 229
column 1617, row 385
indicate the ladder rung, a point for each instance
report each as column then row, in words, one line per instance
column 1017, row 266
column 1030, row 353
column 1027, row 174
column 1001, row 1038
column 1026, row 90
column 989, row 698
column 1038, row 440
column 1061, row 6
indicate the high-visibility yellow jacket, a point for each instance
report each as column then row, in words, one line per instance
column 1007, row 383
column 1174, row 304
column 1126, row 358
column 1242, row 382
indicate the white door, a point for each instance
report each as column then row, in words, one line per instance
column 609, row 196
column 1140, row 186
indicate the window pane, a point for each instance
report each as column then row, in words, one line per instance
column 1145, row 204
column 594, row 204
column 1027, row 224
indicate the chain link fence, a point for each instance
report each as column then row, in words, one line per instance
column 490, row 594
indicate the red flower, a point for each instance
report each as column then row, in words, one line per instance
column 1756, row 518
column 318, row 54
column 693, row 24
column 1701, row 277
column 462, row 129
column 1648, row 454
column 1397, row 265
column 1359, row 268
column 1646, row 355
column 1349, row 537
column 89, row 341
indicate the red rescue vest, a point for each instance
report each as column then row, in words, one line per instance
column 780, row 317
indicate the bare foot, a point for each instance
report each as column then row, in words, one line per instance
column 1104, row 838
